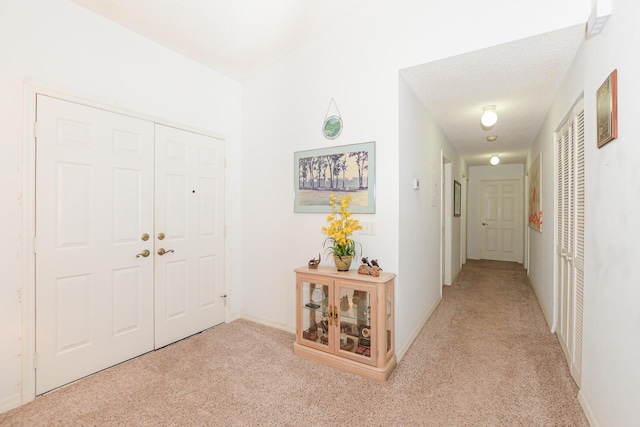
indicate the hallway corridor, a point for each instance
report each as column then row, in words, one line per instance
column 490, row 350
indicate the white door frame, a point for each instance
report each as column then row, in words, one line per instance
column 445, row 219
column 28, row 283
column 463, row 219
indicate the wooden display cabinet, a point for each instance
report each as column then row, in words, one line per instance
column 345, row 320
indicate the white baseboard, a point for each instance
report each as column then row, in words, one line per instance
column 453, row 280
column 10, row 403
column 233, row 317
column 400, row 353
column 587, row 410
column 267, row 322
column 544, row 313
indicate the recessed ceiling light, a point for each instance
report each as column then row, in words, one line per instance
column 489, row 116
column 494, row 160
column 492, row 138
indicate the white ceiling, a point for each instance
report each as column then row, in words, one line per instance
column 238, row 38
column 235, row 37
column 520, row 78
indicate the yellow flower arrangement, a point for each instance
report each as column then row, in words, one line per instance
column 341, row 225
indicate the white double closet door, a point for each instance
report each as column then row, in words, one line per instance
column 129, row 238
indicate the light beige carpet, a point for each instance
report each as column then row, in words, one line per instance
column 485, row 358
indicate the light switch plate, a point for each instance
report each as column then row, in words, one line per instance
column 368, row 228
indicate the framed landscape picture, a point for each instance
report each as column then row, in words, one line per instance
column 346, row 169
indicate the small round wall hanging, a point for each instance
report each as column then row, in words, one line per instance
column 332, row 127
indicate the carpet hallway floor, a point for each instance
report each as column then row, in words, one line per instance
column 484, row 358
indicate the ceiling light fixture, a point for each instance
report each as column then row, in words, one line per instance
column 492, row 138
column 494, row 160
column 489, row 116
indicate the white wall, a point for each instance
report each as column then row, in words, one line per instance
column 477, row 174
column 356, row 63
column 611, row 349
column 62, row 46
column 421, row 145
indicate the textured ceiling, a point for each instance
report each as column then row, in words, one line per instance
column 235, row 37
column 238, row 38
column 520, row 78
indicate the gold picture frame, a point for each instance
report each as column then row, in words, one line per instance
column 607, row 109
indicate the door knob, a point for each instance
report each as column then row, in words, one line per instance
column 144, row 253
column 161, row 236
column 484, row 223
column 144, row 237
column 162, row 251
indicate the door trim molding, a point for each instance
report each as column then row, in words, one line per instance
column 28, row 197
column 445, row 246
column 31, row 88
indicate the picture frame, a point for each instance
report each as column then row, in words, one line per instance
column 607, row 110
column 346, row 169
column 457, row 201
column 535, row 194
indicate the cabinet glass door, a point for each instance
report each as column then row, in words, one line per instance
column 354, row 309
column 315, row 312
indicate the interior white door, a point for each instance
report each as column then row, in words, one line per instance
column 501, row 220
column 190, row 172
column 94, row 294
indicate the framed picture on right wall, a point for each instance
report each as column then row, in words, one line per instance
column 535, row 194
column 607, row 109
column 457, row 201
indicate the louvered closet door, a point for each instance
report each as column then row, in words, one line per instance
column 570, row 237
column 578, row 257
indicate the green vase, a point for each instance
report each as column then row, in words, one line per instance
column 342, row 262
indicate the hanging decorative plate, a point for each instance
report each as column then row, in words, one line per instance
column 332, row 127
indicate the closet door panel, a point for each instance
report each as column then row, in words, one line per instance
column 190, row 215
column 94, row 200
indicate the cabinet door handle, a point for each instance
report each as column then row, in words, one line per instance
column 331, row 308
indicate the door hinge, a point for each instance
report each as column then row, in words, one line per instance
column 35, row 130
column 35, row 360
column 225, row 231
column 35, row 245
